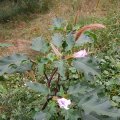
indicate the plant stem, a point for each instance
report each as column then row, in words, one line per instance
column 49, row 82
column 46, row 76
column 46, row 103
column 57, row 85
column 51, row 77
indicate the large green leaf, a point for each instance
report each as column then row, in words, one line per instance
column 100, row 106
column 70, row 41
column 39, row 44
column 51, row 108
column 71, row 114
column 97, row 117
column 40, row 116
column 57, row 23
column 14, row 63
column 88, row 66
column 57, row 39
column 89, row 117
column 38, row 87
column 78, row 88
column 83, row 39
column 40, row 68
column 61, row 68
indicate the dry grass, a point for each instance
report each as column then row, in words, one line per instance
column 40, row 25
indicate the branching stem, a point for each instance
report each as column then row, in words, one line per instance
column 46, row 76
column 51, row 77
column 49, row 82
column 47, row 101
column 57, row 85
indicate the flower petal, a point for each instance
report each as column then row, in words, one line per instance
column 64, row 103
column 81, row 53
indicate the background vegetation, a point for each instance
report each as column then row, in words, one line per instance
column 10, row 9
column 19, row 103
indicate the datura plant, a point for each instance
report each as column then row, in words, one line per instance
column 66, row 75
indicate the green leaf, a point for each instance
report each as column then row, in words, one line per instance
column 116, row 98
column 5, row 45
column 89, row 117
column 61, row 92
column 38, row 87
column 88, row 66
column 91, row 35
column 71, row 114
column 61, row 68
column 2, row 78
column 14, row 63
column 52, row 108
column 100, row 106
column 70, row 41
column 40, row 116
column 58, row 23
column 44, row 60
column 57, row 39
column 97, row 117
column 39, row 44
column 2, row 89
column 40, row 68
column 78, row 88
column 51, row 57
column 83, row 39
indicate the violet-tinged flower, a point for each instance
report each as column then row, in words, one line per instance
column 81, row 53
column 64, row 103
